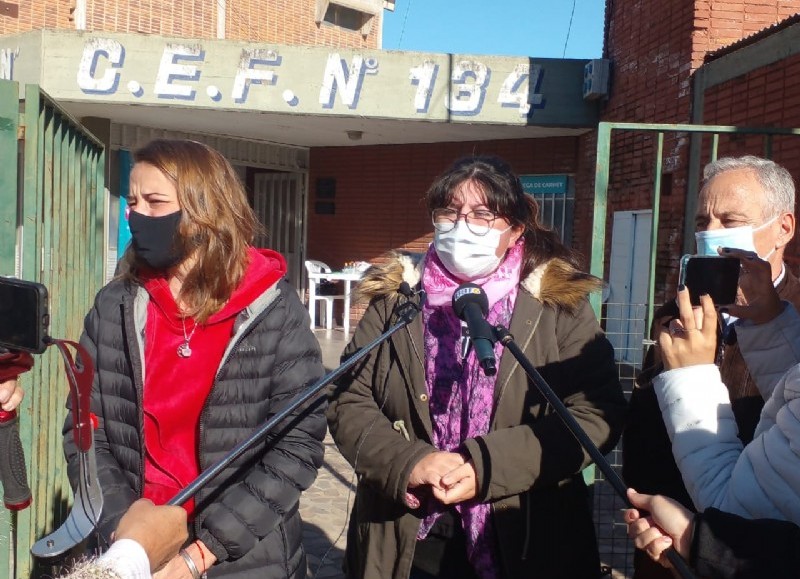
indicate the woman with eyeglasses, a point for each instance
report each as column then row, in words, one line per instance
column 462, row 474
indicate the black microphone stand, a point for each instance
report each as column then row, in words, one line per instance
column 502, row 335
column 405, row 313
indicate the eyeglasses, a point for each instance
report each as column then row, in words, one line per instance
column 479, row 221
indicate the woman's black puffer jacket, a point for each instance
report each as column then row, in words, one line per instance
column 248, row 515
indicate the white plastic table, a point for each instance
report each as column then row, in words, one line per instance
column 348, row 277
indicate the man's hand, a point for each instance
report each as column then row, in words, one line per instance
column 758, row 300
column 13, row 363
column 159, row 530
column 431, row 469
column 668, row 524
column 460, row 484
column 11, row 395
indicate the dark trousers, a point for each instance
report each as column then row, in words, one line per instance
column 443, row 553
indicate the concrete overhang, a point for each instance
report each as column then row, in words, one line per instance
column 297, row 95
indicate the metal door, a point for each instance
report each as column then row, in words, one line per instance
column 279, row 202
column 627, row 281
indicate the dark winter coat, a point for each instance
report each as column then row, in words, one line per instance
column 725, row 546
column 248, row 515
column 528, row 466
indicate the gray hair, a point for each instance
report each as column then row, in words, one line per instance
column 777, row 182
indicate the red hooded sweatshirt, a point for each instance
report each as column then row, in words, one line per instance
column 175, row 387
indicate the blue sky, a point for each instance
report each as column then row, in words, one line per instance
column 535, row 28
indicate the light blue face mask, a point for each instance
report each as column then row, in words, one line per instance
column 736, row 237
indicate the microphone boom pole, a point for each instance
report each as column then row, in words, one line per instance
column 504, row 336
column 406, row 313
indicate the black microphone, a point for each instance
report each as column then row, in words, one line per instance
column 471, row 305
column 405, row 290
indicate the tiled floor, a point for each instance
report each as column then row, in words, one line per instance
column 326, row 505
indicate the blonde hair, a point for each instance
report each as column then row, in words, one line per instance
column 217, row 223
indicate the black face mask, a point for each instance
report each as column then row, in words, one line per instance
column 155, row 239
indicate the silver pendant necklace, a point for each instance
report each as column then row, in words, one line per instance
column 184, row 351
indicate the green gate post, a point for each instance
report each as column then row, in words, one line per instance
column 52, row 201
column 9, row 128
column 9, row 131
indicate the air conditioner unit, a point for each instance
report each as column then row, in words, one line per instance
column 595, row 79
column 370, row 8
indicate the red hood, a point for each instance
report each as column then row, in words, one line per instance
column 265, row 268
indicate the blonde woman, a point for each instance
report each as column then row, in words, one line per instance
column 197, row 343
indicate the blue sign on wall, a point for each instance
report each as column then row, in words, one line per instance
column 124, row 232
column 544, row 184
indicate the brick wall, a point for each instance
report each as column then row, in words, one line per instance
column 650, row 44
column 767, row 97
column 380, row 191
column 655, row 46
column 723, row 22
column 35, row 14
column 274, row 21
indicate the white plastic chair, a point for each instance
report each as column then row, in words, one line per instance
column 315, row 267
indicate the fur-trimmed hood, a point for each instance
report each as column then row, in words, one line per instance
column 555, row 282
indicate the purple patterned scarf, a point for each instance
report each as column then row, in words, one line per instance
column 461, row 396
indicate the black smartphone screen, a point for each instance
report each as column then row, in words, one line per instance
column 715, row 276
column 23, row 315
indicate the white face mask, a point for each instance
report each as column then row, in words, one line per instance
column 466, row 255
column 736, row 237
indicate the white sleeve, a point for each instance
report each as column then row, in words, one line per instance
column 697, row 412
column 126, row 558
column 760, row 480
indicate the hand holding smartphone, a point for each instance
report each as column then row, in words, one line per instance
column 24, row 315
column 717, row 276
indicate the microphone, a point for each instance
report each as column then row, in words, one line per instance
column 405, row 290
column 471, row 305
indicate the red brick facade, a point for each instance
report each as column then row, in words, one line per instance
column 380, row 191
column 275, row 21
column 766, row 97
column 655, row 46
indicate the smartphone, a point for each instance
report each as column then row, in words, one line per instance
column 714, row 275
column 24, row 315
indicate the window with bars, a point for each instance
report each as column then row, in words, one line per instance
column 555, row 195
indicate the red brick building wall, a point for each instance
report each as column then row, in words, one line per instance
column 654, row 47
column 766, row 97
column 380, row 190
column 274, row 21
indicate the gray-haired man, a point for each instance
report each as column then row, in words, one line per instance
column 749, row 203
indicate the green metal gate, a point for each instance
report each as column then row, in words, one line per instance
column 52, row 206
column 602, row 173
column 615, row 547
